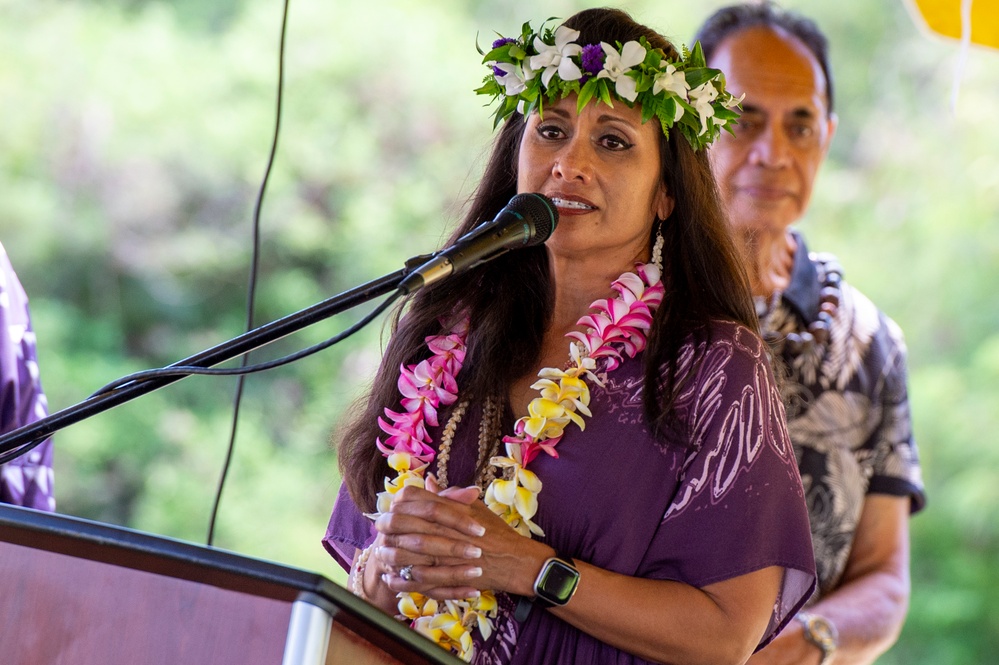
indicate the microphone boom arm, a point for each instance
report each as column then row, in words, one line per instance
column 34, row 433
column 527, row 220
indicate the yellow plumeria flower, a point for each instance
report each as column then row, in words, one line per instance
column 523, row 499
column 402, row 462
column 393, row 485
column 414, row 605
column 516, row 500
column 435, row 635
column 458, row 635
column 484, row 607
column 570, row 392
column 510, row 515
column 547, row 418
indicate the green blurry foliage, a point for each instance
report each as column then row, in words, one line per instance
column 133, row 142
column 132, row 161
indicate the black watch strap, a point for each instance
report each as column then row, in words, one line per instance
column 523, row 610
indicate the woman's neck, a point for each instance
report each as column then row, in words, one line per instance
column 769, row 259
column 578, row 283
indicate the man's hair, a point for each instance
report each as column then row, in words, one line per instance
column 736, row 18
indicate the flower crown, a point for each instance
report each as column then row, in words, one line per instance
column 538, row 68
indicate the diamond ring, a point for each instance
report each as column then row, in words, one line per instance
column 406, row 573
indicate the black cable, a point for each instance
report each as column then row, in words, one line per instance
column 136, row 379
column 17, row 452
column 244, row 369
column 255, row 265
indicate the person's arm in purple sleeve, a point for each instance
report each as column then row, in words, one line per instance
column 26, row 480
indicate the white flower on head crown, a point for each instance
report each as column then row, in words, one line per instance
column 545, row 67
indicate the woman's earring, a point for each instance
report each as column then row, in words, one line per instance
column 657, row 248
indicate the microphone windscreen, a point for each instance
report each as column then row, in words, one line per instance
column 542, row 213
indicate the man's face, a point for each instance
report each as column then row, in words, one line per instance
column 766, row 171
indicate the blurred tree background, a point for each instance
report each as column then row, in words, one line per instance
column 134, row 139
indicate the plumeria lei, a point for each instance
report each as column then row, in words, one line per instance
column 614, row 326
column 540, row 68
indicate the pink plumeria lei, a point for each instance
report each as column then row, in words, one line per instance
column 425, row 387
column 614, row 327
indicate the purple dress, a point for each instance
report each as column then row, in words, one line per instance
column 717, row 498
column 25, row 480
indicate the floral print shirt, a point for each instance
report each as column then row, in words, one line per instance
column 847, row 410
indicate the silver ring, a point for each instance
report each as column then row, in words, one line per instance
column 406, row 573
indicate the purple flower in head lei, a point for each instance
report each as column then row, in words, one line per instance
column 502, row 41
column 592, row 59
column 543, row 67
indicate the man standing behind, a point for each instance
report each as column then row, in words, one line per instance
column 845, row 389
column 25, row 480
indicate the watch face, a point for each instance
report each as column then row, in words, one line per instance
column 820, row 632
column 557, row 582
column 820, row 629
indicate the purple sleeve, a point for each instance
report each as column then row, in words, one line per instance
column 740, row 505
column 25, row 480
column 348, row 530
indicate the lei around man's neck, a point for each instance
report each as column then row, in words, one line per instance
column 540, row 68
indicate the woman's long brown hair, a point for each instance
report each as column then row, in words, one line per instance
column 509, row 299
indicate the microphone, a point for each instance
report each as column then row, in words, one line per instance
column 527, row 220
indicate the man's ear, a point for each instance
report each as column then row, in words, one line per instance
column 832, row 124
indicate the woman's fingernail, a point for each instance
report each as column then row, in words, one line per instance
column 385, row 578
column 473, row 572
column 477, row 530
column 473, row 552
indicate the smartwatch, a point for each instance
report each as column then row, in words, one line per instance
column 556, row 582
column 821, row 632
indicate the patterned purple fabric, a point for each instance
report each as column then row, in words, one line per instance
column 718, row 498
column 26, row 480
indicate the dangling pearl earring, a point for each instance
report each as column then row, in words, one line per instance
column 657, row 248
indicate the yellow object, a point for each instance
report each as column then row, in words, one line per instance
column 944, row 17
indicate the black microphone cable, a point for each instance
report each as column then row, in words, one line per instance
column 244, row 369
column 251, row 290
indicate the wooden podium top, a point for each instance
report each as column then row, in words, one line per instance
column 68, row 585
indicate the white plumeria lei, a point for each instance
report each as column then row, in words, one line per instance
column 540, row 68
column 614, row 327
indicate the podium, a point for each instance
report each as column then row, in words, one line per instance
column 74, row 591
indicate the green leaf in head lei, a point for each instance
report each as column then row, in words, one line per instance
column 542, row 68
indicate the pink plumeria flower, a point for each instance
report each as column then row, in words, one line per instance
column 450, row 349
column 402, row 441
column 412, row 422
column 532, row 449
